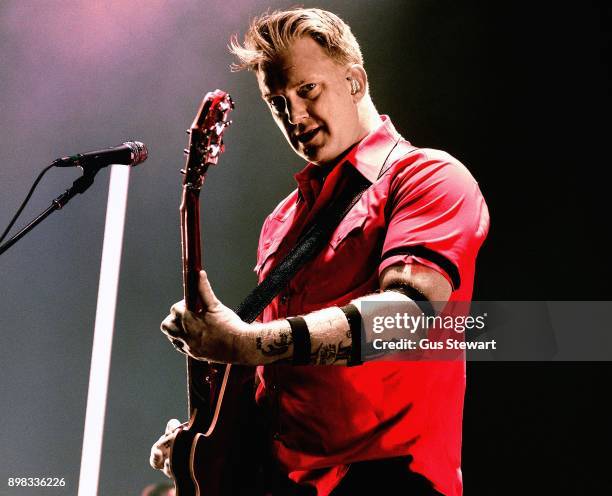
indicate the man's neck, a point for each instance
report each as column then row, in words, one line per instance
column 369, row 118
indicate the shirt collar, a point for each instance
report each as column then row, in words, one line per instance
column 370, row 154
column 368, row 157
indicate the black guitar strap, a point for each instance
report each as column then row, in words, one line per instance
column 308, row 246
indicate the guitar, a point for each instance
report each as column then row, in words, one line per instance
column 210, row 449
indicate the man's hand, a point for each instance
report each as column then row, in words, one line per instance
column 160, row 451
column 217, row 334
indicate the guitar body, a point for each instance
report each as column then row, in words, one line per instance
column 213, row 455
column 219, row 459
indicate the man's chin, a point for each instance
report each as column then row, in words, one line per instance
column 316, row 155
column 310, row 154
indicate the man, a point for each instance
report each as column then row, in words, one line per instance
column 414, row 234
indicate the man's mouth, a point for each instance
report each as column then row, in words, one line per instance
column 306, row 136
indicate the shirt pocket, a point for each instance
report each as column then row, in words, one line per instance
column 350, row 227
column 269, row 248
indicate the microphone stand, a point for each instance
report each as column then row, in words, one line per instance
column 79, row 186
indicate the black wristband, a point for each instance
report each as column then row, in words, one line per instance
column 354, row 319
column 301, row 340
column 415, row 295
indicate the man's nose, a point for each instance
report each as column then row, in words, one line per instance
column 296, row 111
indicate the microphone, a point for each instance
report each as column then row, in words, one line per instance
column 129, row 153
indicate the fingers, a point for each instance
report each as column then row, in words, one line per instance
column 172, row 425
column 160, row 451
column 178, row 309
column 174, row 330
column 187, row 331
column 166, row 470
column 158, row 454
column 156, row 460
column 206, row 292
column 172, row 325
column 179, row 346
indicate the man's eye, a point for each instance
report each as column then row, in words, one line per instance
column 307, row 88
column 278, row 104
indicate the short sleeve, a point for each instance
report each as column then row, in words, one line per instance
column 437, row 216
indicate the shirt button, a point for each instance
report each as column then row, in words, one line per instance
column 284, row 299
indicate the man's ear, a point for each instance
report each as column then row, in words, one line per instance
column 357, row 80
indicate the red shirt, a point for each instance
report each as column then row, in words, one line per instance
column 426, row 208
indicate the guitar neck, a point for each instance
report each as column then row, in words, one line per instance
column 191, row 246
column 192, row 264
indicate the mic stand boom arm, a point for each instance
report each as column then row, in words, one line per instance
column 79, row 186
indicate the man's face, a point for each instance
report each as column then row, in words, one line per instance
column 310, row 99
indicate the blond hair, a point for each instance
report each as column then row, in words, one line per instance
column 270, row 34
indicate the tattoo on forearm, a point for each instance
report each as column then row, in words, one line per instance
column 327, row 354
column 279, row 346
column 330, row 353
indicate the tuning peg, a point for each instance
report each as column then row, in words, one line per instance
column 219, row 127
column 188, row 132
column 228, row 123
column 186, row 151
column 183, row 171
column 213, row 150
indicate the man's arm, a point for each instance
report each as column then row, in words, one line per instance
column 219, row 334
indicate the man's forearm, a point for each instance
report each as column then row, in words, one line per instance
column 272, row 342
column 331, row 338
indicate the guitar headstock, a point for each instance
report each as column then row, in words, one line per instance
column 206, row 137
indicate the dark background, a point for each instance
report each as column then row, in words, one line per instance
column 519, row 92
